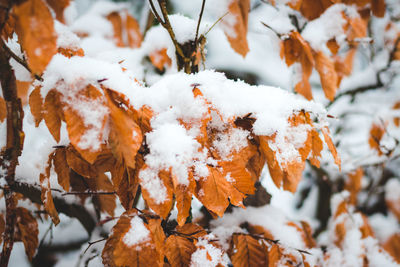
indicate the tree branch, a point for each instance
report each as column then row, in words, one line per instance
column 72, row 210
column 199, row 21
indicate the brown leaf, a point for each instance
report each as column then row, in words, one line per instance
column 179, row 250
column 35, row 30
column 316, row 148
column 125, row 134
column 375, row 135
column 312, row 9
column 81, row 133
column 126, row 29
column 3, row 109
column 78, row 164
column 331, row 146
column 237, row 33
column 36, row 105
column 27, row 231
column 353, row 184
column 161, row 207
column 326, row 69
column 58, row 7
column 333, row 46
column 392, row 246
column 160, row 59
column 128, row 187
column 378, row 8
column 105, row 203
column 296, row 49
column 247, row 251
column 215, row 192
column 61, row 168
column 46, row 195
column 22, row 89
column 131, row 243
column 52, row 113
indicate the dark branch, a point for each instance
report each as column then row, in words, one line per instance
column 199, row 21
column 72, row 210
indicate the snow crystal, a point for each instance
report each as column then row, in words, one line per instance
column 137, row 234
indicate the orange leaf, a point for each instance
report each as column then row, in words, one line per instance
column 375, row 135
column 58, row 7
column 215, row 192
column 392, row 246
column 79, row 165
column 36, row 105
column 125, row 134
column 179, row 250
column 61, row 168
column 3, row 109
column 312, row 9
column 353, row 184
column 35, row 30
column 247, row 252
column 52, row 113
column 237, row 33
column 126, row 30
column 333, row 46
column 81, row 133
column 316, row 148
column 378, row 8
column 27, row 231
column 46, row 196
column 326, row 69
column 160, row 206
column 331, row 146
column 160, row 59
column 131, row 243
column 105, row 203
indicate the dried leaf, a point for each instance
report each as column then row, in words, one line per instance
column 58, row 7
column 46, row 195
column 392, row 246
column 378, row 8
column 126, row 29
column 375, row 135
column 237, row 33
column 215, row 192
column 160, row 59
column 326, row 69
column 35, row 30
column 79, row 165
column 85, row 133
column 3, row 109
column 179, row 250
column 52, row 113
column 353, row 184
column 161, row 207
column 27, row 231
column 247, row 251
column 131, row 243
column 36, row 105
column 312, row 9
column 105, row 203
column 61, row 168
column 331, row 146
column 125, row 134
column 2, row 227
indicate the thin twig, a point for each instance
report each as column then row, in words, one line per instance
column 199, row 22
column 215, row 23
column 272, row 29
column 94, row 242
column 89, row 193
column 20, row 61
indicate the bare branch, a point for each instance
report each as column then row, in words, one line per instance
column 199, row 21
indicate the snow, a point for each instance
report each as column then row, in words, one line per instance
column 207, row 255
column 137, row 233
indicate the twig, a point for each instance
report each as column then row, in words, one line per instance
column 199, row 21
column 20, row 61
column 272, row 29
column 215, row 23
column 89, row 193
column 94, row 242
